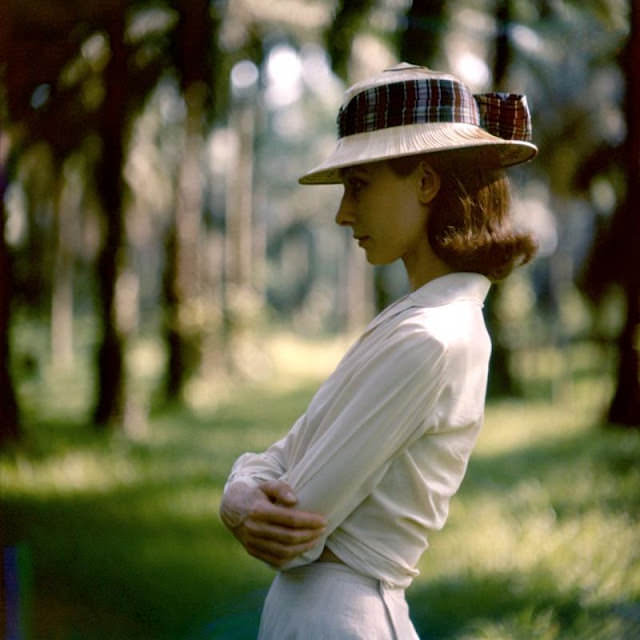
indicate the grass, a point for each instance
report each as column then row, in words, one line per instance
column 123, row 539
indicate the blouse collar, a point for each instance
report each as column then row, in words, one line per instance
column 449, row 288
column 452, row 287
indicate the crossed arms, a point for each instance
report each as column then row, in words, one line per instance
column 283, row 502
column 265, row 522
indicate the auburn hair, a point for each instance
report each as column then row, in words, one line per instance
column 469, row 225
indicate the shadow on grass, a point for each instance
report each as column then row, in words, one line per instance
column 153, row 573
column 139, row 551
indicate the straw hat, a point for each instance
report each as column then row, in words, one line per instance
column 408, row 110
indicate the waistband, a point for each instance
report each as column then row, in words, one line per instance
column 332, row 568
column 393, row 598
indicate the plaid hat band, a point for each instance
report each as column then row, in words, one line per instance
column 434, row 100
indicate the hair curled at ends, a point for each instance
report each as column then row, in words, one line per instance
column 469, row 225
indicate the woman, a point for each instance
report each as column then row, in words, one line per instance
column 343, row 504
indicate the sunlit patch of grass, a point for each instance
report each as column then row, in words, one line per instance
column 307, row 360
column 278, row 362
column 68, row 472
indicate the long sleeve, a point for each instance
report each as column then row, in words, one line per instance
column 372, row 408
column 255, row 468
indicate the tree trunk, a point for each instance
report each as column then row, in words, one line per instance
column 349, row 16
column 502, row 53
column 625, row 407
column 426, row 23
column 174, row 376
column 239, row 213
column 9, row 422
column 62, row 281
column 183, row 276
column 501, row 379
column 110, row 404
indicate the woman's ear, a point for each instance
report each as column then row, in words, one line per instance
column 429, row 182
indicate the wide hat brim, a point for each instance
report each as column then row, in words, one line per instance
column 466, row 141
column 409, row 110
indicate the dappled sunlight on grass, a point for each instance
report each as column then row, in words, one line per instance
column 125, row 540
column 70, row 471
column 549, row 512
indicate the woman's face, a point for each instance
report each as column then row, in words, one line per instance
column 384, row 211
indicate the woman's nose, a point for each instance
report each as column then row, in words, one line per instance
column 344, row 216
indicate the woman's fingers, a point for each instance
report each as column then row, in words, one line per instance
column 277, row 534
column 283, row 535
column 275, row 553
column 287, row 517
column 279, row 492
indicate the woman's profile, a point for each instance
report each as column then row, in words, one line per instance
column 343, row 505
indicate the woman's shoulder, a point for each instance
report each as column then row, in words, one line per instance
column 456, row 326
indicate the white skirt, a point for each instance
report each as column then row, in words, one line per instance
column 330, row 601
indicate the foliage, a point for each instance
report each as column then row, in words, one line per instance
column 175, row 61
column 124, row 539
column 350, row 17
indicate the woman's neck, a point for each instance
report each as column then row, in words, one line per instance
column 422, row 266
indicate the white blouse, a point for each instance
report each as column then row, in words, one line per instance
column 384, row 443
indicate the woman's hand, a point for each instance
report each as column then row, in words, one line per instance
column 266, row 524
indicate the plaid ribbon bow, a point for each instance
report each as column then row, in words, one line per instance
column 505, row 115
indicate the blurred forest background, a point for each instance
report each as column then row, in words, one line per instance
column 159, row 262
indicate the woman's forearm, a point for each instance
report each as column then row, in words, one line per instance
column 265, row 522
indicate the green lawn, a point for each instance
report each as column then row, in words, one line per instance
column 122, row 539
